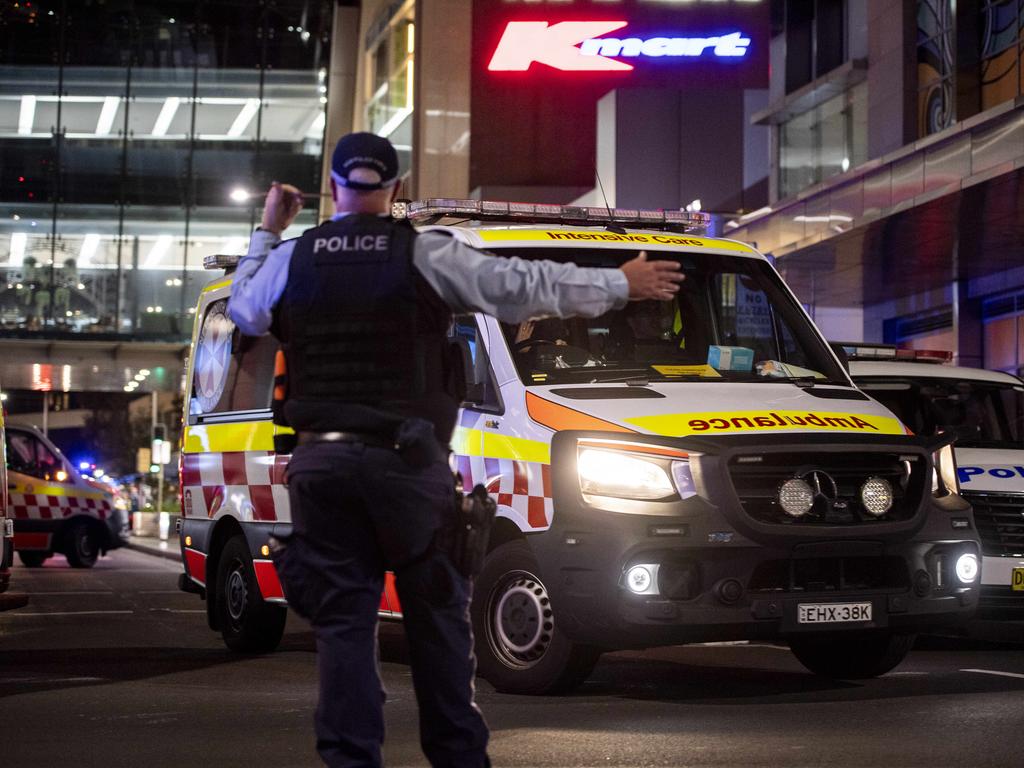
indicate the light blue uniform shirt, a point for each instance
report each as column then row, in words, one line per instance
column 511, row 289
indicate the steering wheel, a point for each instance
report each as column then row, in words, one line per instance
column 519, row 346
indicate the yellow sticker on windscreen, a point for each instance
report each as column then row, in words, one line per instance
column 687, row 370
column 681, row 424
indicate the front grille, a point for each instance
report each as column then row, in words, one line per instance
column 757, row 479
column 830, row 574
column 999, row 518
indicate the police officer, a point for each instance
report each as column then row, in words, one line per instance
column 362, row 305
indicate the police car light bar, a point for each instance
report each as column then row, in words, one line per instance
column 432, row 210
column 226, row 261
column 857, row 351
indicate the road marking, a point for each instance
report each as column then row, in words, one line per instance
column 63, row 613
column 995, row 672
column 177, row 610
column 75, row 592
column 24, row 680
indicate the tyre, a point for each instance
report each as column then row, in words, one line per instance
column 33, row 558
column 519, row 647
column 248, row 624
column 851, row 655
column 81, row 546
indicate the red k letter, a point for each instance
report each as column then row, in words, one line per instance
column 525, row 42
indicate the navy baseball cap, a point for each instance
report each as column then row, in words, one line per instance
column 364, row 150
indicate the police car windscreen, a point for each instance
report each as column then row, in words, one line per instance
column 731, row 320
column 987, row 414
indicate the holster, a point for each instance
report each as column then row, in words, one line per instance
column 468, row 530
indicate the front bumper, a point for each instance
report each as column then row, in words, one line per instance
column 717, row 577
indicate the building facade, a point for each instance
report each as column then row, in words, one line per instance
column 137, row 137
column 897, row 139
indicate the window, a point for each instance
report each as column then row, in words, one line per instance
column 823, row 142
column 232, row 372
column 815, row 38
column 481, row 390
column 723, row 301
column 390, row 74
column 999, row 47
column 936, row 101
column 27, row 454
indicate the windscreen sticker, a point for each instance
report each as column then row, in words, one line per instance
column 681, row 424
column 597, row 236
column 687, row 370
column 1000, row 473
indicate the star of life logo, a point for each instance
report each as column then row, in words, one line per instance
column 578, row 46
column 213, row 357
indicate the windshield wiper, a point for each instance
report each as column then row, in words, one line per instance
column 808, row 382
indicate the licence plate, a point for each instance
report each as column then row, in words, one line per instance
column 832, row 613
column 1017, row 580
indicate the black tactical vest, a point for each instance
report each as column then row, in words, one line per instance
column 365, row 336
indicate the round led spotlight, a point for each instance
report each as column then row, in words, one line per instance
column 967, row 568
column 796, row 497
column 638, row 579
column 876, row 496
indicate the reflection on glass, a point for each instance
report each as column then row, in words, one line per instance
column 114, row 191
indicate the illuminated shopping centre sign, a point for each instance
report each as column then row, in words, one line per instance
column 579, row 46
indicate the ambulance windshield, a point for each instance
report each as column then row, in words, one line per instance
column 732, row 320
column 986, row 413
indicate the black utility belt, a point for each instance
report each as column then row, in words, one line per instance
column 375, row 441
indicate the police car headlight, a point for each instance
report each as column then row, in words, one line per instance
column 967, row 568
column 613, row 473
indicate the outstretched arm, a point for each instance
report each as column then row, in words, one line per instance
column 515, row 289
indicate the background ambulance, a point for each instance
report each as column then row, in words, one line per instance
column 691, row 470
column 987, row 407
column 54, row 507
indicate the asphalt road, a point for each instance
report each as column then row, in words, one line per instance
column 114, row 666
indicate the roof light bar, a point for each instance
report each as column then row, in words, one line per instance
column 434, row 209
column 857, row 351
column 221, row 261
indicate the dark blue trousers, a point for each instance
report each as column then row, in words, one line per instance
column 358, row 510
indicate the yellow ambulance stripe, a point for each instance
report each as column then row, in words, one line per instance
column 476, row 442
column 237, row 436
column 718, row 423
column 570, row 237
column 219, row 284
column 41, row 489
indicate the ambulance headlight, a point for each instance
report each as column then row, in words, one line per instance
column 967, row 568
column 876, row 495
column 615, row 473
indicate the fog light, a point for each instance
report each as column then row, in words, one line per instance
column 967, row 568
column 639, row 579
column 188, row 541
column 876, row 496
column 796, row 497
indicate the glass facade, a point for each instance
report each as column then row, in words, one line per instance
column 390, row 83
column 1000, row 50
column 137, row 138
column 936, row 43
column 823, row 142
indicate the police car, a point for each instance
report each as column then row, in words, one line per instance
column 987, row 408
column 55, row 508
column 691, row 470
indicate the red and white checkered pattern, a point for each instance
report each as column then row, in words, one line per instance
column 247, row 484
column 523, row 486
column 44, row 506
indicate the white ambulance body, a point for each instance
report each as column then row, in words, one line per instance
column 988, row 406
column 691, row 470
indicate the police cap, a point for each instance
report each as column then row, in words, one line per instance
column 364, row 150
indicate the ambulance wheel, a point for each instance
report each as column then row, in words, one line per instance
column 248, row 624
column 81, row 546
column 851, row 655
column 519, row 647
column 33, row 558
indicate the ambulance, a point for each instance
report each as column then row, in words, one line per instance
column 699, row 469
column 987, row 409
column 55, row 508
